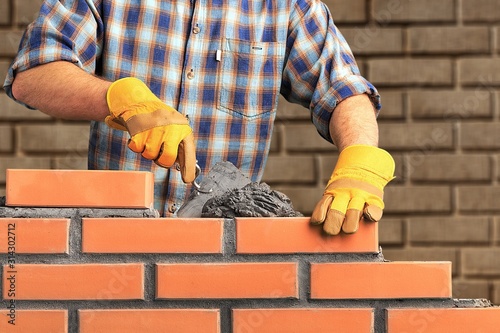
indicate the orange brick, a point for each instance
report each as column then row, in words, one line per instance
column 292, row 235
column 79, row 188
column 303, row 320
column 35, row 321
column 75, row 282
column 34, row 235
column 149, row 321
column 227, row 280
column 381, row 280
column 146, row 235
column 443, row 320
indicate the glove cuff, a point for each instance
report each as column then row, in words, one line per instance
column 129, row 94
column 366, row 163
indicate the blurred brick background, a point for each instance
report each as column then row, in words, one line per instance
column 437, row 66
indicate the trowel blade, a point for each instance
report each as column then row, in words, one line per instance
column 222, row 177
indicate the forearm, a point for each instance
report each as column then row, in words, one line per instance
column 62, row 90
column 354, row 122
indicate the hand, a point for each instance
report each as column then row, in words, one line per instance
column 355, row 189
column 157, row 131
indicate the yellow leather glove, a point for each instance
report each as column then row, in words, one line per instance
column 157, row 131
column 355, row 189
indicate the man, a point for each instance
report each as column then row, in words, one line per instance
column 178, row 80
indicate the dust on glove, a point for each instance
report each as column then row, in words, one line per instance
column 355, row 189
column 157, row 131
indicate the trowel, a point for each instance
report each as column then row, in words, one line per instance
column 222, row 177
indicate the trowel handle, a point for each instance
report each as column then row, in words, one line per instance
column 195, row 184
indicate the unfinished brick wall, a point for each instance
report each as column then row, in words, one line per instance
column 437, row 66
column 79, row 263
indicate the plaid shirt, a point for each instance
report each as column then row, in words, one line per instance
column 221, row 62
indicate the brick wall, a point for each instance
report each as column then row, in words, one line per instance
column 437, row 66
column 83, row 259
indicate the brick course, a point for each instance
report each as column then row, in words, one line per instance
column 436, row 65
column 126, row 270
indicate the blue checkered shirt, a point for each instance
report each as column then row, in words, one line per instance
column 221, row 62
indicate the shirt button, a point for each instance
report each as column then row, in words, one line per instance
column 190, row 75
column 196, row 30
column 172, row 208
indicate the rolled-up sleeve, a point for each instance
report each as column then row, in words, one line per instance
column 320, row 70
column 67, row 30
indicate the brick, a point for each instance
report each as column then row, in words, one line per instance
column 420, row 137
column 71, row 162
column 297, row 235
column 392, row 104
column 173, row 235
column 9, row 42
column 480, row 72
column 370, row 39
column 4, row 65
column 407, row 11
column 69, row 188
column 76, row 281
column 496, row 228
column 4, row 13
column 226, row 280
column 478, row 198
column 451, row 168
column 63, row 138
column 27, row 11
column 376, row 280
column 496, row 292
column 410, row 72
column 465, row 289
column 15, row 111
column 34, row 235
column 481, row 261
column 278, row 169
column 424, row 254
column 304, row 198
column 291, row 111
column 347, row 11
column 149, row 320
column 450, row 40
column 449, row 230
column 22, row 163
column 35, row 321
column 442, row 320
column 304, row 138
column 481, row 10
column 450, row 105
column 391, row 231
column 6, row 140
column 310, row 320
column 417, row 199
column 480, row 135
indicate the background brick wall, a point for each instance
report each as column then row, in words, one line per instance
column 437, row 66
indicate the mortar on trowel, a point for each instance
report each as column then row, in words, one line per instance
column 226, row 192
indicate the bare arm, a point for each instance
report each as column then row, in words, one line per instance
column 354, row 122
column 62, row 90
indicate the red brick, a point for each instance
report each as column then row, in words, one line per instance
column 227, row 280
column 443, row 320
column 310, row 320
column 150, row 321
column 381, row 280
column 79, row 188
column 35, row 321
column 292, row 235
column 146, row 235
column 75, row 282
column 34, row 235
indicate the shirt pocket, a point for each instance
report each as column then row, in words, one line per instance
column 250, row 77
